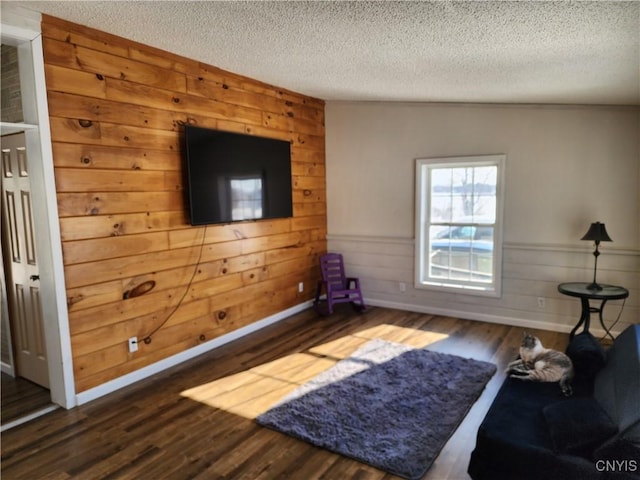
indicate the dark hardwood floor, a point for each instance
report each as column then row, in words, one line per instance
column 20, row 397
column 197, row 420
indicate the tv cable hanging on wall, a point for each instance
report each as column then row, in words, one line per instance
column 147, row 338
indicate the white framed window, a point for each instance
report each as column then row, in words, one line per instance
column 459, row 205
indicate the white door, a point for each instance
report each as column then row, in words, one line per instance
column 22, row 279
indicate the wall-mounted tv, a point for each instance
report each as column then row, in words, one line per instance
column 234, row 177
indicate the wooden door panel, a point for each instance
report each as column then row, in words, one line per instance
column 22, row 275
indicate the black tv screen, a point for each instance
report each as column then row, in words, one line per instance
column 233, row 177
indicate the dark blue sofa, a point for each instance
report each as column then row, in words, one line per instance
column 532, row 431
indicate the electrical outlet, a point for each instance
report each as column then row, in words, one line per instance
column 133, row 344
column 301, row 287
column 402, row 286
column 541, row 302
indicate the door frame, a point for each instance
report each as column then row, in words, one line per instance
column 21, row 28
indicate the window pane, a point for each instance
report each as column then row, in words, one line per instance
column 461, row 191
column 441, row 199
column 484, row 192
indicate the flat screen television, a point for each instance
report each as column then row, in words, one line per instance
column 234, row 177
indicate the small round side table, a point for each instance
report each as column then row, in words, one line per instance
column 581, row 290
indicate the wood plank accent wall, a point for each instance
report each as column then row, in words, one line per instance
column 117, row 109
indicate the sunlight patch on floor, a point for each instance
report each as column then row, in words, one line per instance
column 254, row 391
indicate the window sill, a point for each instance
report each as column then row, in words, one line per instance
column 459, row 289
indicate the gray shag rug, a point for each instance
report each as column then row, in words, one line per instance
column 388, row 405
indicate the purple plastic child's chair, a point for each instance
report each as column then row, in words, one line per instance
column 338, row 287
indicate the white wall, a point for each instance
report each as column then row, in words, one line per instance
column 566, row 167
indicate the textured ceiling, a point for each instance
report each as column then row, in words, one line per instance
column 482, row 51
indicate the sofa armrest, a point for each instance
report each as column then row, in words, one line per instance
column 617, row 385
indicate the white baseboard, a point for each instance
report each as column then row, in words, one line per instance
column 8, row 369
column 515, row 322
column 141, row 374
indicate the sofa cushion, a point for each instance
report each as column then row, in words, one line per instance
column 617, row 385
column 588, row 358
column 577, row 426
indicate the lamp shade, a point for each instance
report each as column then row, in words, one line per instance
column 597, row 233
